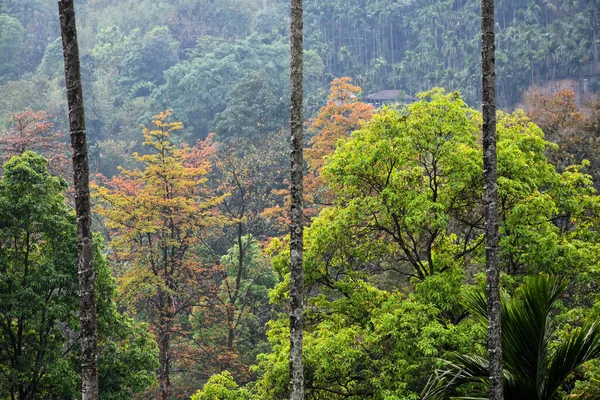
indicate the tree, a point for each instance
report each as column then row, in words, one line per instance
column 490, row 196
column 33, row 131
column 52, row 62
column 574, row 129
column 199, row 88
column 144, row 64
column 128, row 356
column 228, row 334
column 39, row 297
column 553, row 113
column 399, row 189
column 342, row 115
column 159, row 216
column 360, row 341
column 12, row 35
column 297, row 199
column 38, row 292
column 252, row 173
column 375, row 328
column 244, row 289
column 407, row 192
column 535, row 363
column 254, row 111
column 87, row 276
column 221, row 387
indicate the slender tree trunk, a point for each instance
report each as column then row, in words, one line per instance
column 164, row 380
column 238, row 285
column 87, row 276
column 490, row 193
column 297, row 209
column 164, row 330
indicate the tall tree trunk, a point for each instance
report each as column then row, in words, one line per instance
column 231, row 323
column 164, row 380
column 490, row 175
column 87, row 276
column 297, row 208
column 164, row 330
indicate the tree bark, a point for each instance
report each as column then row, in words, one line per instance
column 490, row 194
column 87, row 276
column 297, row 209
column 164, row 380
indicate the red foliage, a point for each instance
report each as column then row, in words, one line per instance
column 33, row 131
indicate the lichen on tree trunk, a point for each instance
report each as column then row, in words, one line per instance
column 87, row 276
column 297, row 209
column 490, row 194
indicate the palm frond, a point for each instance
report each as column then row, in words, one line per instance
column 526, row 330
column 588, row 396
column 582, row 346
column 466, row 369
column 530, row 371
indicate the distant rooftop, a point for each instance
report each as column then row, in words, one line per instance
column 388, row 95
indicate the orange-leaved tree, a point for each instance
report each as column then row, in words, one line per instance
column 29, row 130
column 343, row 113
column 159, row 217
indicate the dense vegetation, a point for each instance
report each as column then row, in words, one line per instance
column 207, row 61
column 187, row 105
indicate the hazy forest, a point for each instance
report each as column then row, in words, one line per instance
column 187, row 109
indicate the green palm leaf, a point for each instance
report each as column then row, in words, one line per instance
column 582, row 346
column 531, row 369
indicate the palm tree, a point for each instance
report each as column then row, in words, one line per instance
column 533, row 368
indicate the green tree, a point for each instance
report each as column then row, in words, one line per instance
column 221, row 387
column 52, row 63
column 408, row 195
column 38, row 292
column 200, row 87
column 145, row 63
column 255, row 109
column 407, row 192
column 535, row 363
column 128, row 357
column 39, row 356
column 360, row 341
column 363, row 342
column 12, row 35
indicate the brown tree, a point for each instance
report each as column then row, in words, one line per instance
column 87, row 275
column 490, row 197
column 576, row 130
column 297, row 209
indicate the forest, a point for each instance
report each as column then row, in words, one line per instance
column 187, row 116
